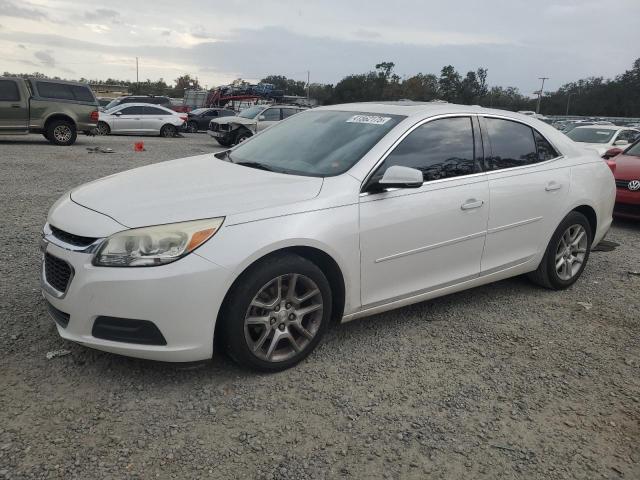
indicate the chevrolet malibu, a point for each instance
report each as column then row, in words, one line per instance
column 334, row 214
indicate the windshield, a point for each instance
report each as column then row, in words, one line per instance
column 591, row 135
column 250, row 112
column 633, row 149
column 111, row 104
column 317, row 143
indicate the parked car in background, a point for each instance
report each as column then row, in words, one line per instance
column 104, row 101
column 56, row 109
column 337, row 213
column 233, row 130
column 140, row 118
column 625, row 165
column 149, row 99
column 603, row 137
column 200, row 118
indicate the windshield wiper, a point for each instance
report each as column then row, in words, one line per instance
column 258, row 165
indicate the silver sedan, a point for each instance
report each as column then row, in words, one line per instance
column 140, row 118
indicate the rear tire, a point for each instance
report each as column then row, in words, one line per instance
column 61, row 132
column 168, row 131
column 566, row 255
column 266, row 304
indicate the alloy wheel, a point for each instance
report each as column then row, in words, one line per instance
column 571, row 252
column 62, row 133
column 283, row 317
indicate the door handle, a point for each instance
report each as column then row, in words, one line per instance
column 551, row 186
column 16, row 106
column 471, row 204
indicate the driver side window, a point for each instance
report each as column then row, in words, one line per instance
column 271, row 115
column 439, row 149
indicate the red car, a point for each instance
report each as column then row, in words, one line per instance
column 625, row 166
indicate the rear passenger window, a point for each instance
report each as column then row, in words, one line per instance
column 9, row 91
column 59, row 91
column 137, row 110
column 271, row 115
column 63, row 91
column 287, row 112
column 439, row 149
column 545, row 150
column 512, row 144
column 155, row 111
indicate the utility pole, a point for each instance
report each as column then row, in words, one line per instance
column 308, row 84
column 568, row 100
column 137, row 78
column 540, row 92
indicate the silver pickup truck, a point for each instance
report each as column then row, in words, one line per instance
column 54, row 108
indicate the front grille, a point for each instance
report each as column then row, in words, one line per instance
column 214, row 127
column 127, row 330
column 58, row 316
column 70, row 238
column 57, row 272
column 627, row 209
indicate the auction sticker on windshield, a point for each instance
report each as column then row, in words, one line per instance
column 370, row 119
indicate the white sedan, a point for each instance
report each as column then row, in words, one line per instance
column 140, row 118
column 603, row 137
column 334, row 214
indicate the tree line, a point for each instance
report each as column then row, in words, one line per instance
column 616, row 97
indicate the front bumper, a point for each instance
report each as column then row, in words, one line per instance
column 627, row 204
column 181, row 299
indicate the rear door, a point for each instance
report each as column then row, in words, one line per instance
column 14, row 109
column 154, row 118
column 203, row 121
column 129, row 120
column 528, row 187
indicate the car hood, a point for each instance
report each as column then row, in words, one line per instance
column 189, row 189
column 240, row 120
column 627, row 167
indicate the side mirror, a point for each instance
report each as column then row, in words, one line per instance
column 397, row 176
column 612, row 152
column 621, row 142
column 262, row 117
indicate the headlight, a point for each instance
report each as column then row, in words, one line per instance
column 150, row 246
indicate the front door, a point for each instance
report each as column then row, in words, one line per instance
column 14, row 110
column 130, row 120
column 528, row 189
column 417, row 240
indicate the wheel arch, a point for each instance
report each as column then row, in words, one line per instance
column 59, row 116
column 318, row 257
column 589, row 212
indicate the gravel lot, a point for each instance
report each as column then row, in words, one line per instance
column 503, row 381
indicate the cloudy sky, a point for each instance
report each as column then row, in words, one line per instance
column 218, row 41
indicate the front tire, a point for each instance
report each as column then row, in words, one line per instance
column 566, row 255
column 168, row 131
column 243, row 136
column 276, row 314
column 103, row 128
column 61, row 132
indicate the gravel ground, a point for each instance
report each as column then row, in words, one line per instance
column 503, row 381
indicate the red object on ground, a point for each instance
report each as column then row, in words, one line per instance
column 626, row 170
column 138, row 146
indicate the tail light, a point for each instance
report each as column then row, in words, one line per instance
column 94, row 116
column 183, row 118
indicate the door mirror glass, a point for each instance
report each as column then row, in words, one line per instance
column 398, row 176
column 621, row 142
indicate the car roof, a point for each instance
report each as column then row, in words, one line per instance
column 137, row 104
